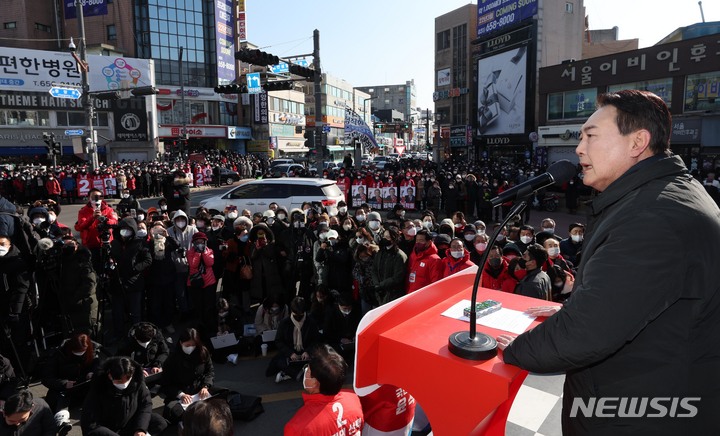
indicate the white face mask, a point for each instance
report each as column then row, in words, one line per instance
column 526, row 239
column 38, row 221
column 141, row 233
column 469, row 237
column 305, row 386
column 143, row 344
column 412, row 231
column 126, row 233
column 457, row 254
column 345, row 312
column 500, row 237
column 78, row 353
column 188, row 350
column 576, row 238
column 215, row 228
column 232, row 215
column 122, row 386
column 163, row 208
column 360, row 218
column 270, row 221
column 180, row 224
column 126, row 196
column 553, row 251
column 480, row 246
column 281, row 216
column 4, row 250
column 427, row 224
column 140, row 217
column 374, row 225
column 342, row 209
column 200, row 223
column 52, row 218
column 347, row 227
column 549, row 230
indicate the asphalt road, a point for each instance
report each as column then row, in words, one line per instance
column 248, row 376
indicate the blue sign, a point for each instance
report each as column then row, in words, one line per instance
column 282, row 67
column 326, row 128
column 253, row 83
column 91, row 8
column 77, row 132
column 71, row 93
column 494, row 15
column 224, row 37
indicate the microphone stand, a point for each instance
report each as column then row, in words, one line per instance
column 473, row 345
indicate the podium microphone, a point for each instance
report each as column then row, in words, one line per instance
column 479, row 346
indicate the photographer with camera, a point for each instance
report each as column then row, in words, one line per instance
column 127, row 203
column 176, row 191
column 94, row 222
column 129, row 257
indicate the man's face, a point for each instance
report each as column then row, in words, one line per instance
column 605, row 154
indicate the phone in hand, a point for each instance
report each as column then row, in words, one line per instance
column 133, row 213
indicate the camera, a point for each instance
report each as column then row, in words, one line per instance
column 181, row 252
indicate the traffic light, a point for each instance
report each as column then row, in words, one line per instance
column 57, row 148
column 299, row 70
column 256, row 57
column 144, row 90
column 309, row 138
column 379, row 126
column 232, row 88
column 109, row 95
column 278, row 85
column 49, row 139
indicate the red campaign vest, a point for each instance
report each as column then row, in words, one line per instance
column 388, row 408
column 83, row 185
column 344, row 184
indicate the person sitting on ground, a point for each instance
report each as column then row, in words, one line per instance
column 341, row 325
column 146, row 345
column 119, row 403
column 296, row 334
column 323, row 378
column 25, row 415
column 187, row 372
column 208, row 418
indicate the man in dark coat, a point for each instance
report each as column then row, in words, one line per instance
column 119, row 403
column 642, row 326
column 177, row 192
column 77, row 286
column 146, row 345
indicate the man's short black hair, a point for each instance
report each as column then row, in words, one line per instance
column 328, row 368
column 119, row 367
column 208, row 418
column 144, row 332
column 20, row 402
column 538, row 253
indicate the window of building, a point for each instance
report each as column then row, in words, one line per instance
column 22, row 118
column 111, row 34
column 572, row 104
column 569, row 7
column 459, row 58
column 42, row 27
column 443, row 40
column 459, row 110
column 660, row 87
column 10, row 25
column 701, row 92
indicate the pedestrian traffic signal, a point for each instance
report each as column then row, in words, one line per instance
column 309, row 138
column 299, row 70
column 57, row 148
column 48, row 139
column 232, row 88
column 109, row 95
column 278, row 85
column 256, row 57
column 144, row 90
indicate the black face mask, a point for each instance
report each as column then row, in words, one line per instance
column 495, row 262
column 522, row 263
column 384, row 243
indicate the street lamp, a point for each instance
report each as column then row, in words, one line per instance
column 87, row 98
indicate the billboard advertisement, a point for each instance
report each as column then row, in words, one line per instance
column 224, row 46
column 502, row 92
column 91, row 8
column 38, row 70
column 496, row 15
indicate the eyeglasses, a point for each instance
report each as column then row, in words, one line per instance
column 97, row 197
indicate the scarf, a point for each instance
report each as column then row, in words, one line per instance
column 297, row 333
column 159, row 248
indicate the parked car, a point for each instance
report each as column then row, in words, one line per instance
column 381, row 161
column 256, row 195
column 285, row 169
column 229, row 176
column 283, row 161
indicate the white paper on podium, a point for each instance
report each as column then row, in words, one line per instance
column 509, row 320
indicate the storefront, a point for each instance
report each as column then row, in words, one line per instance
column 560, row 141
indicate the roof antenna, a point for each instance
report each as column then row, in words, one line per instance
column 702, row 14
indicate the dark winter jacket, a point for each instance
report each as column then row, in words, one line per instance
column 131, row 257
column 284, row 338
column 8, row 381
column 266, row 263
column 388, row 275
column 177, row 194
column 14, row 283
column 64, row 366
column 78, row 286
column 115, row 409
column 40, row 423
column 535, row 284
column 186, row 373
column 338, row 263
column 642, row 321
column 152, row 356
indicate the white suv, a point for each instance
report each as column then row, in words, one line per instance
column 289, row 192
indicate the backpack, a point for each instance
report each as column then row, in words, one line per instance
column 244, row 407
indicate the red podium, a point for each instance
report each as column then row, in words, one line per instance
column 405, row 343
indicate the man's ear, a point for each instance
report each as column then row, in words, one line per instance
column 640, row 142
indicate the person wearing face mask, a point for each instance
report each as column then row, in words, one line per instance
column 146, row 345
column 424, row 264
column 182, row 232
column 536, row 283
column 236, row 256
column 323, row 379
column 127, row 203
column 127, row 281
column 176, row 192
column 336, row 257
column 479, row 244
column 296, row 335
column 526, row 238
column 13, row 292
column 217, row 235
column 78, row 283
column 68, row 372
column 456, row 259
column 395, row 216
column 266, row 260
column 468, row 235
column 571, row 247
column 374, row 226
column 53, row 188
column 231, row 214
column 161, row 277
column 388, row 271
column 95, row 212
column 340, row 326
column 188, row 371
column 496, row 270
column 299, row 263
column 407, row 238
column 552, row 246
column 360, row 217
column 342, row 210
column 201, row 293
column 562, row 283
column 268, row 316
column 119, row 402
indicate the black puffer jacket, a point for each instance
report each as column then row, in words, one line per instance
column 131, row 257
column 64, row 366
column 187, row 373
column 116, row 409
column 153, row 356
column 14, row 283
column 78, row 286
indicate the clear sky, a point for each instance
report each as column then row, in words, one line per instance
column 374, row 42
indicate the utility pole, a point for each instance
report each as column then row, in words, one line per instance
column 183, row 131
column 87, row 99
column 319, row 137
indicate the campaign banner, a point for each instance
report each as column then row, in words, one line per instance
column 91, row 8
column 407, row 195
column 359, row 195
column 375, row 197
column 356, row 128
column 224, row 45
column 39, row 70
column 390, row 198
column 495, row 15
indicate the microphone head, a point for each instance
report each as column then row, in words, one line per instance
column 562, row 171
